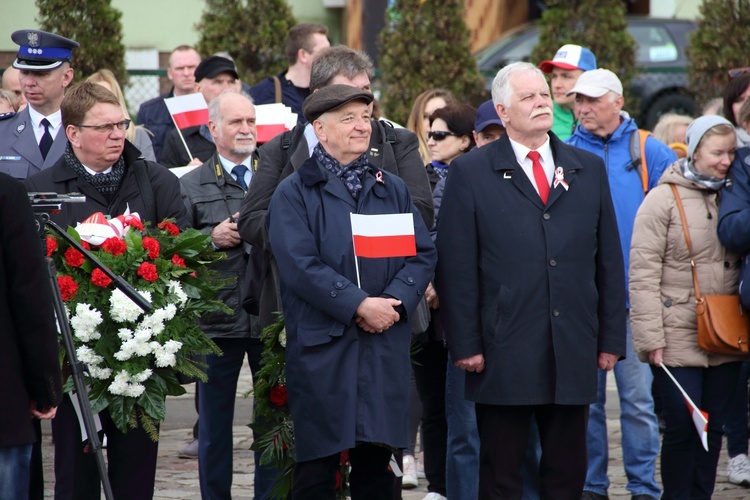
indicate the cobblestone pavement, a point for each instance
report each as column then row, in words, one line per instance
column 177, row 478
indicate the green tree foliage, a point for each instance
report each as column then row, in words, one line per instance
column 252, row 31
column 599, row 25
column 719, row 44
column 94, row 24
column 425, row 45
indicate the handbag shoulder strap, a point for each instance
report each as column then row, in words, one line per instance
column 687, row 239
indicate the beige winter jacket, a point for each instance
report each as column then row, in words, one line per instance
column 662, row 296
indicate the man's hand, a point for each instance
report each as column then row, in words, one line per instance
column 655, row 357
column 432, row 297
column 376, row 314
column 473, row 363
column 47, row 413
column 225, row 234
column 195, row 162
column 607, row 361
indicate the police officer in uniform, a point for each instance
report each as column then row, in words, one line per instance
column 33, row 139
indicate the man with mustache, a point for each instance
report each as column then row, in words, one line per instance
column 606, row 131
column 531, row 286
column 212, row 194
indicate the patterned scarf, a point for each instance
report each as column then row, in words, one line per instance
column 688, row 170
column 350, row 175
column 440, row 168
column 107, row 184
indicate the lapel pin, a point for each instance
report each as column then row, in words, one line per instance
column 379, row 177
column 560, row 179
column 20, row 127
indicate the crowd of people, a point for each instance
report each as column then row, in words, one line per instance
column 544, row 241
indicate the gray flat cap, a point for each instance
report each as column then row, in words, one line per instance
column 330, row 98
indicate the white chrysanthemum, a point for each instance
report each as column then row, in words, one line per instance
column 165, row 360
column 122, row 386
column 176, row 288
column 85, row 321
column 88, row 356
column 282, row 337
column 143, row 333
column 99, row 372
column 172, row 346
column 124, row 309
column 155, row 321
column 165, row 354
column 125, row 334
column 127, row 349
column 143, row 376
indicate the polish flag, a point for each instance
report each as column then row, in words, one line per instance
column 272, row 120
column 700, row 417
column 388, row 235
column 188, row 110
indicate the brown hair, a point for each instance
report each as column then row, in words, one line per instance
column 743, row 116
column 182, row 48
column 732, row 93
column 81, row 98
column 300, row 37
column 338, row 60
column 415, row 122
column 7, row 95
column 106, row 76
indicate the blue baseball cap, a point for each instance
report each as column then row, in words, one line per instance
column 486, row 115
column 41, row 51
column 570, row 57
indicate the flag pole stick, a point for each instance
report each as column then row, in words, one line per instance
column 693, row 406
column 179, row 132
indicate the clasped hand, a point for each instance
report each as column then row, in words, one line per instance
column 377, row 314
column 225, row 234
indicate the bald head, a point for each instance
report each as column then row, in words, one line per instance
column 12, row 83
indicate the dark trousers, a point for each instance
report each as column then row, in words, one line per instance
column 504, row 437
column 131, row 459
column 430, row 362
column 369, row 479
column 687, row 470
column 217, row 399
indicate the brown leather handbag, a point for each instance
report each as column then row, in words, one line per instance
column 723, row 326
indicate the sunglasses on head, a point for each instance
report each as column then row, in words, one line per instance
column 735, row 72
column 439, row 135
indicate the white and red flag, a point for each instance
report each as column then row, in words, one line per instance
column 386, row 235
column 272, row 120
column 188, row 110
column 700, row 417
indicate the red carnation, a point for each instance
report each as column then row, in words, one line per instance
column 86, row 245
column 51, row 245
column 278, row 395
column 152, row 246
column 169, row 227
column 73, row 257
column 68, row 287
column 178, row 261
column 338, row 480
column 147, row 271
column 115, row 246
column 99, row 278
column 135, row 222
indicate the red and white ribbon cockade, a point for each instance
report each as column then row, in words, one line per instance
column 560, row 179
column 96, row 228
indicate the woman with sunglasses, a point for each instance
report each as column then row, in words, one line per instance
column 736, row 92
column 449, row 137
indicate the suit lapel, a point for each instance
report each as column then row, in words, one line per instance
column 510, row 171
column 26, row 144
column 569, row 168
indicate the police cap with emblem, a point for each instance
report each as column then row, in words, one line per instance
column 41, row 51
column 330, row 98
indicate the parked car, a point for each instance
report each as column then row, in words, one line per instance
column 661, row 83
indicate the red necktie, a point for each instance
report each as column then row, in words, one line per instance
column 539, row 176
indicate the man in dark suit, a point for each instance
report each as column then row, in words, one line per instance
column 33, row 139
column 530, row 278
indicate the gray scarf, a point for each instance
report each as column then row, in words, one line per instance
column 688, row 170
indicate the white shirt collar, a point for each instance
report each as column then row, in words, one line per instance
column 94, row 172
column 311, row 138
column 229, row 165
column 546, row 159
column 55, row 120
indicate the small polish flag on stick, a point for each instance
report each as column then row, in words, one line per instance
column 272, row 120
column 386, row 235
column 187, row 111
column 700, row 417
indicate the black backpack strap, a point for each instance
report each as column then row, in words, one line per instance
column 140, row 168
column 390, row 131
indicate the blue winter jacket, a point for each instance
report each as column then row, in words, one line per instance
column 625, row 184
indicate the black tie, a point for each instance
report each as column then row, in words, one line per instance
column 47, row 139
column 239, row 171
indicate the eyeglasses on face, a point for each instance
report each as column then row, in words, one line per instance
column 108, row 127
column 439, row 135
column 735, row 72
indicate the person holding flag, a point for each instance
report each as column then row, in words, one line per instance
column 348, row 287
column 662, row 304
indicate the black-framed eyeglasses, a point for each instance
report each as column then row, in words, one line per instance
column 735, row 72
column 439, row 135
column 108, row 127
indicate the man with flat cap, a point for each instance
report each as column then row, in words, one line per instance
column 347, row 318
column 213, row 76
column 32, row 140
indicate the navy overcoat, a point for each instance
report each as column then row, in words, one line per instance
column 537, row 289
column 344, row 385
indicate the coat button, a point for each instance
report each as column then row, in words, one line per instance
column 546, row 216
column 333, row 293
column 555, row 312
column 668, row 303
column 339, row 285
column 552, row 262
column 410, row 280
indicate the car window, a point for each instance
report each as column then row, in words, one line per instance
column 519, row 50
column 654, row 44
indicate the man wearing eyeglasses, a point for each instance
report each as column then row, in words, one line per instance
column 32, row 140
column 99, row 163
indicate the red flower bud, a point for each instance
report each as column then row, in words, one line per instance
column 278, row 395
column 147, row 271
column 51, row 245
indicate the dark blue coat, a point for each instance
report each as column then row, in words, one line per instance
column 155, row 116
column 344, row 385
column 537, row 289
